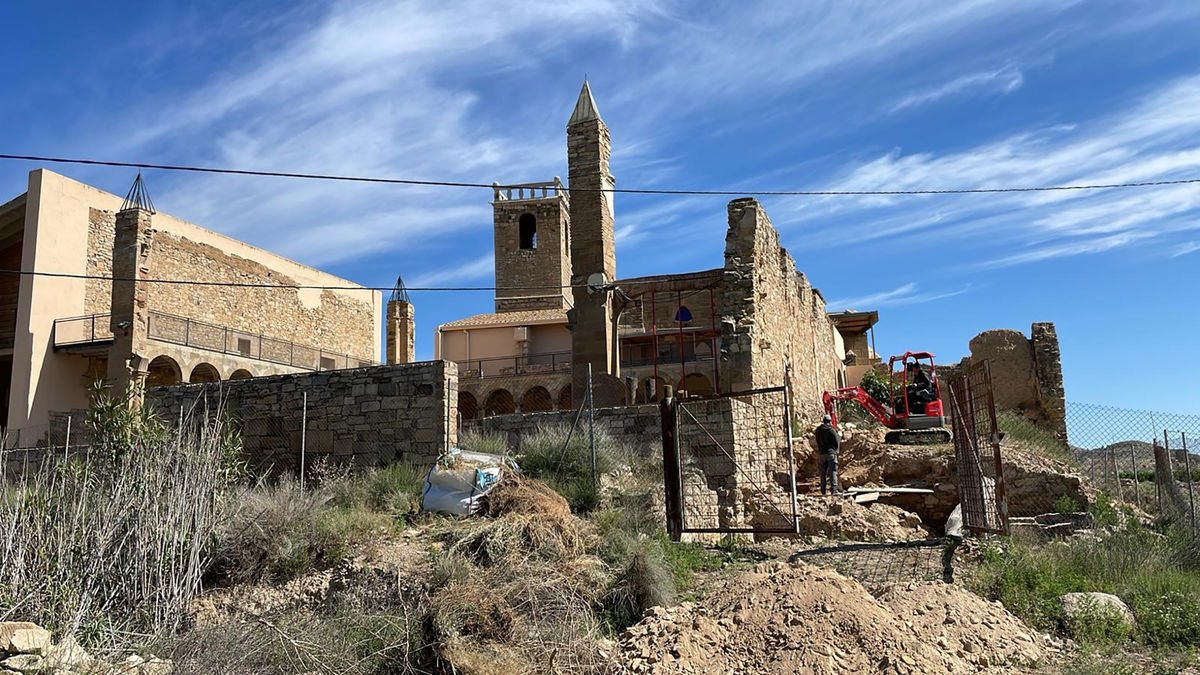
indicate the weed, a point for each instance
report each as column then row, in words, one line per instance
column 1066, row 504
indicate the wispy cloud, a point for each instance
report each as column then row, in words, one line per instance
column 1000, row 81
column 1185, row 248
column 906, row 294
column 470, row 270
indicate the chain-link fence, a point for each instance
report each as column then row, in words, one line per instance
column 598, row 458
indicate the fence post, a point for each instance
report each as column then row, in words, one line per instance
column 303, row 434
column 787, row 431
column 1137, row 488
column 672, row 483
column 67, row 440
column 592, row 428
column 1157, row 487
column 1187, row 467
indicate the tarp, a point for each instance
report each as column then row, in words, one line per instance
column 460, row 478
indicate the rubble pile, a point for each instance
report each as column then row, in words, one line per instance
column 780, row 618
column 27, row 648
column 843, row 518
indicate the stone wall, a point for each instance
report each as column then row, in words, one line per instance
column 101, row 232
column 772, row 315
column 1026, row 373
column 532, row 278
column 365, row 416
column 638, row 426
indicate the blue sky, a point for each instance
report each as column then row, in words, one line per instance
column 743, row 96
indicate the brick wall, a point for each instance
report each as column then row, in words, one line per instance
column 367, row 416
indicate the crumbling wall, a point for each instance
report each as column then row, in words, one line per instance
column 772, row 316
column 364, row 416
column 1026, row 373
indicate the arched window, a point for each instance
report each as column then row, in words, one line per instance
column 163, row 370
column 499, row 402
column 536, row 399
column 240, row 374
column 527, row 225
column 683, row 314
column 204, row 372
column 468, row 407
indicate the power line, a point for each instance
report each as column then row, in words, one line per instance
column 637, row 191
column 253, row 284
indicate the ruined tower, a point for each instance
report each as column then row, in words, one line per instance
column 532, row 226
column 593, row 252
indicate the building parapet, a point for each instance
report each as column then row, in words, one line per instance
column 529, row 191
column 506, row 366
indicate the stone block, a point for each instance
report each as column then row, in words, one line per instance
column 23, row 637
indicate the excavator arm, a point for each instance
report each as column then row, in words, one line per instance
column 877, row 410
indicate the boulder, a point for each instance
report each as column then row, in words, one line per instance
column 68, row 655
column 24, row 663
column 22, row 637
column 1075, row 605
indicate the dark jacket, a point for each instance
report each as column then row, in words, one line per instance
column 827, row 439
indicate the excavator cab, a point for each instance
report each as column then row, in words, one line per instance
column 915, row 391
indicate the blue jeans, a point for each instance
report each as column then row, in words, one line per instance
column 827, row 468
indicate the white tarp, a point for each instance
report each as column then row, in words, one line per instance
column 460, row 478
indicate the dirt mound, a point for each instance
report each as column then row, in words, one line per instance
column 842, row 517
column 980, row 632
column 787, row 619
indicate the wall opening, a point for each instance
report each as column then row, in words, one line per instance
column 204, row 372
column 468, row 407
column 696, row 384
column 243, row 346
column 564, row 398
column 328, row 363
column 163, row 371
column 499, row 402
column 527, row 225
column 240, row 374
column 536, row 399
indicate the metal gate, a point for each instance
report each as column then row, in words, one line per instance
column 977, row 451
column 728, row 463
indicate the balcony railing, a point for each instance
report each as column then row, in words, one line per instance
column 502, row 366
column 523, row 191
column 211, row 337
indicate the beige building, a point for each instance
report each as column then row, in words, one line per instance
column 561, row 307
column 60, row 331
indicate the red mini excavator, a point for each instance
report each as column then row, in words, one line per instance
column 913, row 412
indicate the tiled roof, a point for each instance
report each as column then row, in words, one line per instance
column 530, row 316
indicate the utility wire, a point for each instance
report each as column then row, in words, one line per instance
column 638, row 191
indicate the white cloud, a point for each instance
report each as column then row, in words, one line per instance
column 999, row 81
column 1185, row 248
column 478, row 268
column 902, row 295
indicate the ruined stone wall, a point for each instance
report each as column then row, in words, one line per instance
column 772, row 316
column 101, row 231
column 1026, row 373
column 325, row 319
column 365, row 416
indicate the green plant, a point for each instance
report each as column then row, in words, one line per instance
column 645, row 582
column 564, row 460
column 1066, row 504
column 877, row 385
column 1097, row 626
column 1105, row 512
column 491, row 442
column 1028, row 435
column 1168, row 619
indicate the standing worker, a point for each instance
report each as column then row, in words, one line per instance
column 828, row 445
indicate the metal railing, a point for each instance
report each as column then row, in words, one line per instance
column 502, row 366
column 189, row 332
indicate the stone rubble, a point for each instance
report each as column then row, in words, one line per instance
column 779, row 618
column 27, row 649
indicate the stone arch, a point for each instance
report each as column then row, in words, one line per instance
column 696, row 384
column 704, row 351
column 162, row 371
column 564, row 398
column 499, row 402
column 468, row 405
column 204, row 372
column 240, row 374
column 527, row 226
column 536, row 399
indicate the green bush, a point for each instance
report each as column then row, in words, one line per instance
column 1155, row 575
column 1097, row 626
column 563, row 461
column 1066, row 504
column 876, row 384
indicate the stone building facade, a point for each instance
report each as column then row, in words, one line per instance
column 741, row 325
column 60, row 333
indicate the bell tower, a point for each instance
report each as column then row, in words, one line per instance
column 532, row 224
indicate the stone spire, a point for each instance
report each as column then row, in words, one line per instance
column 585, row 107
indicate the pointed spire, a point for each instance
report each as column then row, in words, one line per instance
column 399, row 292
column 138, row 196
column 585, row 107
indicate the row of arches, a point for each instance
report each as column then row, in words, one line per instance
column 538, row 398
column 164, row 371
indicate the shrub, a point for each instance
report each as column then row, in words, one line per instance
column 565, row 462
column 111, row 546
column 1066, row 504
column 491, row 442
column 1018, row 430
column 1168, row 619
column 645, row 582
column 1097, row 626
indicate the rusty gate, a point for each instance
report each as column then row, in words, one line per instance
column 728, row 463
column 977, row 451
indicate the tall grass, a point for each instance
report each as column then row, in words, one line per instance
column 111, row 546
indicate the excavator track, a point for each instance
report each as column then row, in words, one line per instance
column 934, row 436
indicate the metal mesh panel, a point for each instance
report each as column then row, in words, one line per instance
column 977, row 451
column 736, row 463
